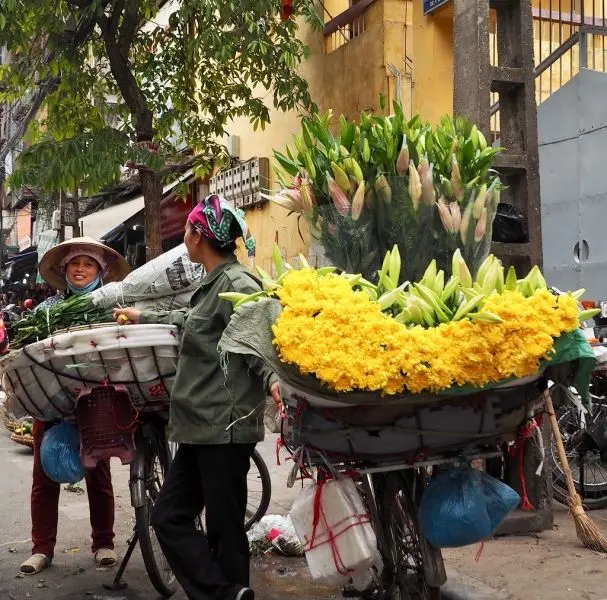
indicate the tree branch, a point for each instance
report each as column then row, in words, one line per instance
column 126, row 82
column 117, row 9
column 129, row 27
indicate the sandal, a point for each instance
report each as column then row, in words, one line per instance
column 35, row 564
column 105, row 557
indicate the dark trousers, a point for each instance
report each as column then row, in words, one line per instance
column 45, row 503
column 211, row 477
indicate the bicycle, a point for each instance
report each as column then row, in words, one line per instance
column 120, row 414
column 578, row 425
column 412, row 568
column 150, row 458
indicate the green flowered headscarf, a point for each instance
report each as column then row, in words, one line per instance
column 214, row 217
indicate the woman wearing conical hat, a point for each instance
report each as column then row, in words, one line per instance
column 77, row 266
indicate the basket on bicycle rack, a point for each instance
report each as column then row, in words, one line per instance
column 106, row 418
column 404, row 427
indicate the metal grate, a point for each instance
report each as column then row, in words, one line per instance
column 568, row 35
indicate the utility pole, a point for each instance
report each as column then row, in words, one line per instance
column 70, row 214
column 513, row 79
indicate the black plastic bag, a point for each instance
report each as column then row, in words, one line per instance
column 510, row 225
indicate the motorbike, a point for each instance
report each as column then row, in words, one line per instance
column 10, row 314
column 583, row 426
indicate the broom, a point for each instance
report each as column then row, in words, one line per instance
column 587, row 531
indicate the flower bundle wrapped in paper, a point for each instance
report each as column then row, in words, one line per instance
column 433, row 336
column 391, row 181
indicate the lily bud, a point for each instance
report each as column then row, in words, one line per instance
column 460, row 269
column 307, row 198
column 402, row 162
column 285, row 202
column 343, row 181
column 382, row 187
column 423, row 167
column 358, row 201
column 445, row 214
column 479, row 203
column 342, row 205
column 415, row 185
column 427, row 181
column 354, row 169
column 456, row 214
column 481, row 226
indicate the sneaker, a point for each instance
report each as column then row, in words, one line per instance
column 36, row 564
column 245, row 594
column 105, row 557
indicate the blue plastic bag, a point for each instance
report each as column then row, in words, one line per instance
column 464, row 506
column 501, row 499
column 60, row 454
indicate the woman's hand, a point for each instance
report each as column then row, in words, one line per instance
column 124, row 316
column 275, row 392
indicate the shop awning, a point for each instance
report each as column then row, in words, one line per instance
column 97, row 225
column 103, row 221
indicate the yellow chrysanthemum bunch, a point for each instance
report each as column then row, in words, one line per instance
column 342, row 337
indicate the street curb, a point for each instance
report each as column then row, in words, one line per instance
column 461, row 587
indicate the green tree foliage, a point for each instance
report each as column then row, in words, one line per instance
column 177, row 85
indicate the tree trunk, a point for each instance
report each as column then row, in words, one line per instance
column 151, row 186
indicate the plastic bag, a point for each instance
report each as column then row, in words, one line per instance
column 501, row 499
column 332, row 525
column 60, row 454
column 510, row 225
column 170, row 274
column 464, row 506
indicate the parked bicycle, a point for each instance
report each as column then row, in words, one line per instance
column 583, row 429
column 151, row 457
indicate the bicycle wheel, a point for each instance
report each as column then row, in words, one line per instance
column 595, row 470
column 154, row 453
column 411, row 563
column 259, row 490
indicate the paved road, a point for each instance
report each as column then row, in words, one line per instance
column 74, row 576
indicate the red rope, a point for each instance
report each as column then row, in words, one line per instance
column 477, row 558
column 279, row 444
column 525, row 433
column 319, row 513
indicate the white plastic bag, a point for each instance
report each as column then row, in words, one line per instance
column 170, row 274
column 333, row 526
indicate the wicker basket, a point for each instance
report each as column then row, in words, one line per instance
column 7, row 421
column 23, row 439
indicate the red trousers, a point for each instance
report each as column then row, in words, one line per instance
column 45, row 503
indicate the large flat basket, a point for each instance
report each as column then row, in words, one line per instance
column 44, row 379
column 405, row 426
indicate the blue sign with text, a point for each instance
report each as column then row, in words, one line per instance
column 432, row 5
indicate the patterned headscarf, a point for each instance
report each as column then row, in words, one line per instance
column 213, row 218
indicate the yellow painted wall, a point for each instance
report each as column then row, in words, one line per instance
column 348, row 72
column 348, row 80
column 432, row 52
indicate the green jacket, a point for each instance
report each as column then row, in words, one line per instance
column 208, row 405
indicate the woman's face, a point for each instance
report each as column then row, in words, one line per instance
column 193, row 243
column 81, row 271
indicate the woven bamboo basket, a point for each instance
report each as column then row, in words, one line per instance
column 24, row 439
column 7, row 421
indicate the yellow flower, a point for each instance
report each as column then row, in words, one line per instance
column 341, row 337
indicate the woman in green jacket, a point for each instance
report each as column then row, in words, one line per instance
column 216, row 416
